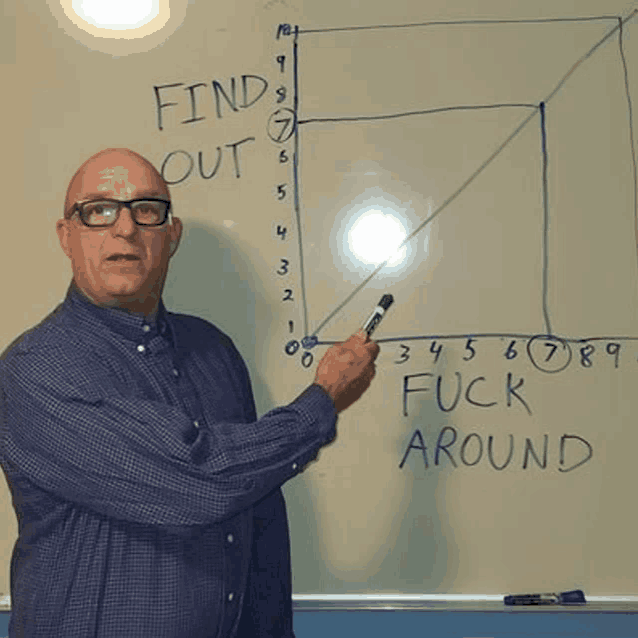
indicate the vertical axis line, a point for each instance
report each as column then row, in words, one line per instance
column 548, row 327
column 632, row 145
column 295, row 168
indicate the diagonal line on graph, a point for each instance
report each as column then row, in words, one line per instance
column 478, row 171
column 589, row 54
column 436, row 213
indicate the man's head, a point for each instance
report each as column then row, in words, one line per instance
column 123, row 264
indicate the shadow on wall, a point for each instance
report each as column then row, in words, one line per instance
column 211, row 278
column 422, row 556
column 386, row 532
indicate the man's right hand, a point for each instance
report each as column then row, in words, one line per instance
column 347, row 369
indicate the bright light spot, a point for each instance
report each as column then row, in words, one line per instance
column 376, row 236
column 117, row 14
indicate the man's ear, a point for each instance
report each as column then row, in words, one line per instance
column 176, row 233
column 63, row 231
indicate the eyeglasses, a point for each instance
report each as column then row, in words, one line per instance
column 105, row 212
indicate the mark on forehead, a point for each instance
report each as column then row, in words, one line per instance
column 116, row 179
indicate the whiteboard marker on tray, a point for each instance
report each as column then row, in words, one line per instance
column 377, row 314
column 565, row 598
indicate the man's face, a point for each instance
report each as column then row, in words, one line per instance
column 124, row 264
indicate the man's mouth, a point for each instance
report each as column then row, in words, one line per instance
column 122, row 257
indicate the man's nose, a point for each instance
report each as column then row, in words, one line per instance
column 125, row 225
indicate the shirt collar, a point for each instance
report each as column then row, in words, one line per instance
column 131, row 326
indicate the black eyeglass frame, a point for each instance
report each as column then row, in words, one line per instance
column 121, row 203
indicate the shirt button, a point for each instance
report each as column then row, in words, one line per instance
column 146, row 328
column 294, row 466
column 230, row 538
column 231, row 596
column 175, row 372
column 196, row 423
column 141, row 348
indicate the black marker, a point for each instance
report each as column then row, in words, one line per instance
column 376, row 316
column 566, row 598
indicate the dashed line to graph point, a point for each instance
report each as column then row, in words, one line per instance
column 392, row 116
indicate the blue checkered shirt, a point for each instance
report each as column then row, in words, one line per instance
column 146, row 491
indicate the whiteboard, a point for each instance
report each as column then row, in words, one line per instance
column 494, row 451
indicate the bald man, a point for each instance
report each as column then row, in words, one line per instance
column 147, row 492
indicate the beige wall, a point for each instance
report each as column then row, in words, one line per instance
column 359, row 522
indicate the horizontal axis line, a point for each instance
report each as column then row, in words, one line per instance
column 492, row 335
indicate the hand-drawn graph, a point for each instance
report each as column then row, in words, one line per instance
column 507, row 148
column 507, row 145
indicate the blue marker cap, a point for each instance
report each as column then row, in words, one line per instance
column 386, row 301
column 570, row 597
column 309, row 342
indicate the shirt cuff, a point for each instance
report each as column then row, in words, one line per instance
column 315, row 402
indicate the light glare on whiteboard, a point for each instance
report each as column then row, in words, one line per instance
column 376, row 237
column 117, row 14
